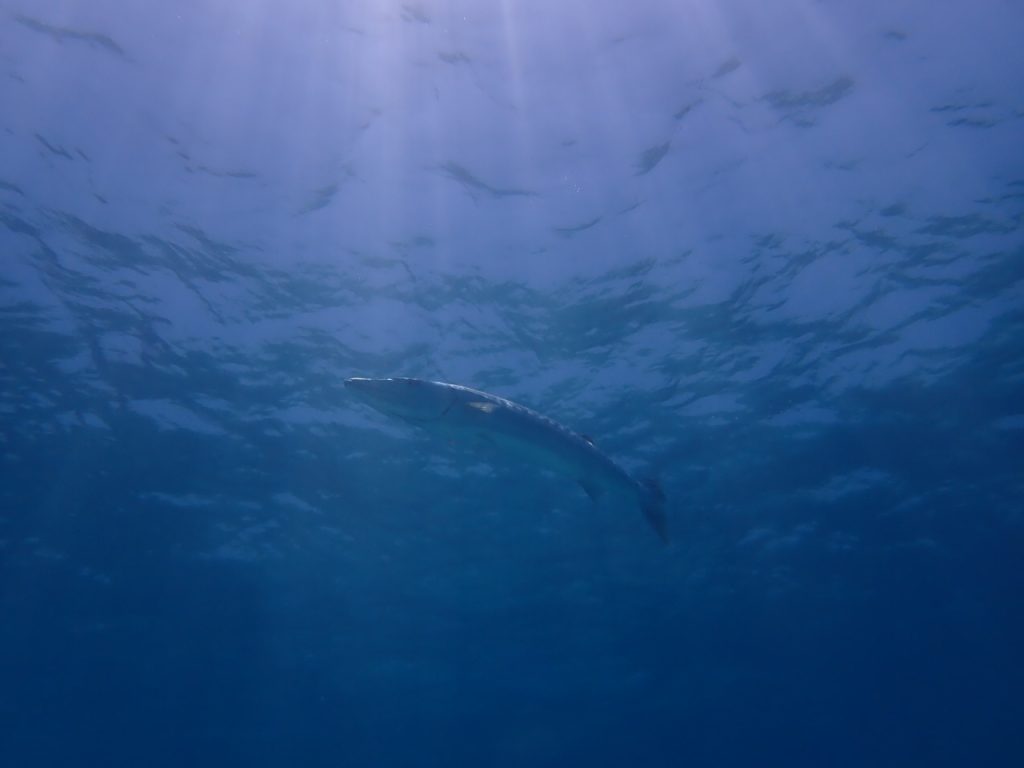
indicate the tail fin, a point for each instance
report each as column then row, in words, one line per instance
column 652, row 503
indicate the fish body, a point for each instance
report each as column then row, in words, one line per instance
column 455, row 410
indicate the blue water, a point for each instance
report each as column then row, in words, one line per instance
column 771, row 253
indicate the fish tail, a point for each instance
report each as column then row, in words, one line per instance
column 652, row 503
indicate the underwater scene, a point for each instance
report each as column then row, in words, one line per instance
column 511, row 383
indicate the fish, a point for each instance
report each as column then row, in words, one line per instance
column 453, row 411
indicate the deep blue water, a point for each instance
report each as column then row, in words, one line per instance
column 771, row 253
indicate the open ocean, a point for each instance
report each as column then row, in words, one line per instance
column 770, row 253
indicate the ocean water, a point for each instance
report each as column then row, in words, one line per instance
column 770, row 253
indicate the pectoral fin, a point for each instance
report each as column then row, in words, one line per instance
column 593, row 490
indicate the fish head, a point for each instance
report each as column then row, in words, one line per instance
column 415, row 400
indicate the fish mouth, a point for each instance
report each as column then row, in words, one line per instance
column 372, row 387
column 382, row 395
column 357, row 383
column 368, row 390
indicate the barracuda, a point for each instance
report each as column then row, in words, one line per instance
column 451, row 409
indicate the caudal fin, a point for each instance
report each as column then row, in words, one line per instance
column 652, row 503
